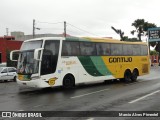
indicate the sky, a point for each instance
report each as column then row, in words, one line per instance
column 83, row 17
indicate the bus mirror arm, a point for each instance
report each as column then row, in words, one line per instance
column 12, row 53
column 37, row 54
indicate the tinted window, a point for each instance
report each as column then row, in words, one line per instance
column 144, row 50
column 136, row 50
column 103, row 49
column 70, row 48
column 127, row 49
column 87, row 48
column 116, row 49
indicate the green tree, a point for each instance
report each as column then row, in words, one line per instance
column 148, row 25
column 145, row 28
column 138, row 24
column 141, row 27
column 119, row 31
column 124, row 38
column 153, row 52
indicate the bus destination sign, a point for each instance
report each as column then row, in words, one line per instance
column 154, row 34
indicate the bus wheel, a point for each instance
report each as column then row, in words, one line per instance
column 121, row 80
column 107, row 81
column 68, row 81
column 134, row 75
column 127, row 76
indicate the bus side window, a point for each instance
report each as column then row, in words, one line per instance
column 100, row 49
column 75, row 48
column 127, row 49
column 136, row 50
column 88, row 48
column 103, row 48
column 116, row 49
column 70, row 48
column 144, row 50
column 64, row 49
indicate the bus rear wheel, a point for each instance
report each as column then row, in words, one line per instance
column 68, row 81
column 134, row 75
column 127, row 76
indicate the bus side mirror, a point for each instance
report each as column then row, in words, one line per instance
column 14, row 55
column 37, row 54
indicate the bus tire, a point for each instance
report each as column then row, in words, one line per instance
column 127, row 76
column 68, row 81
column 107, row 81
column 134, row 75
column 5, row 81
column 121, row 80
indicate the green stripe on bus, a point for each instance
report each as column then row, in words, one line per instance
column 100, row 65
column 89, row 66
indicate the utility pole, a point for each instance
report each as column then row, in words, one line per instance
column 33, row 28
column 7, row 31
column 64, row 28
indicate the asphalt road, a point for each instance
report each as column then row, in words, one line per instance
column 143, row 95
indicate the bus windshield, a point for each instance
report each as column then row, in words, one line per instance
column 26, row 63
column 31, row 45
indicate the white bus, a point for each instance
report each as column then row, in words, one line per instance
column 59, row 61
